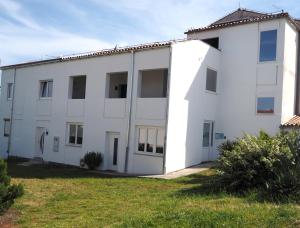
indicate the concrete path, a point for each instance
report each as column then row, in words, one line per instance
column 184, row 172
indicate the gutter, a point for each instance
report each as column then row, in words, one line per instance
column 129, row 111
column 167, row 111
column 11, row 114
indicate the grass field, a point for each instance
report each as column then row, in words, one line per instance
column 70, row 197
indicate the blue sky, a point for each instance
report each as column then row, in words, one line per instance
column 40, row 29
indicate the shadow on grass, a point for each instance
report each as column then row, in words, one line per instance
column 42, row 171
column 209, row 184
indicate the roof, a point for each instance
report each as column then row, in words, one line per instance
column 104, row 52
column 294, row 122
column 245, row 16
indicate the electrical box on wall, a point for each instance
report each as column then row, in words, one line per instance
column 56, row 144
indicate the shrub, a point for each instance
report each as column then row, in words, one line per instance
column 268, row 163
column 92, row 160
column 8, row 192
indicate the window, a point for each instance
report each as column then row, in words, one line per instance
column 75, row 134
column 46, row 88
column 268, row 41
column 116, row 85
column 151, row 140
column 153, row 83
column 206, row 134
column 211, row 80
column 6, row 127
column 214, row 42
column 77, row 87
column 10, row 89
column 265, row 105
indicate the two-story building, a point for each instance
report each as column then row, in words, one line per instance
column 155, row 108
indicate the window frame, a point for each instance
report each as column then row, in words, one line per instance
column 9, row 90
column 154, row 152
column 6, row 120
column 262, row 112
column 260, row 47
column 71, row 87
column 76, row 134
column 47, row 89
column 210, row 91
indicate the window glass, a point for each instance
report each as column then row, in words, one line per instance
column 211, row 80
column 50, row 88
column 79, row 134
column 206, row 132
column 6, row 127
column 9, row 90
column 160, row 141
column 268, row 41
column 78, row 87
column 151, row 139
column 43, row 89
column 265, row 105
column 72, row 134
column 142, row 139
column 115, row 156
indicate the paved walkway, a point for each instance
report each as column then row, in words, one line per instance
column 184, row 172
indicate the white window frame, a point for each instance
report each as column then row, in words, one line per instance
column 76, row 132
column 262, row 113
column 144, row 152
column 6, row 127
column 9, row 90
column 47, row 89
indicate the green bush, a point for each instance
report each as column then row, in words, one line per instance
column 92, row 160
column 8, row 192
column 264, row 162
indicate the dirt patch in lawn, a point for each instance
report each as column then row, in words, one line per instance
column 9, row 219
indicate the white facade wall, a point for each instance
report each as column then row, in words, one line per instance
column 244, row 78
column 189, row 102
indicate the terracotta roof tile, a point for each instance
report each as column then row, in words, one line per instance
column 294, row 122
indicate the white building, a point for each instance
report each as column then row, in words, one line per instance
column 159, row 107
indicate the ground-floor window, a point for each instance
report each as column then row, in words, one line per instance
column 6, row 127
column 151, row 140
column 75, row 133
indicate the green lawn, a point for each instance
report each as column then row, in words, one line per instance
column 70, row 197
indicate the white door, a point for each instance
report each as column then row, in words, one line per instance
column 40, row 142
column 113, row 151
column 208, row 140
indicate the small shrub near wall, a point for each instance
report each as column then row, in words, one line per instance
column 271, row 164
column 92, row 160
column 8, row 192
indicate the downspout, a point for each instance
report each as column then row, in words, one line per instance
column 167, row 111
column 297, row 100
column 11, row 114
column 129, row 112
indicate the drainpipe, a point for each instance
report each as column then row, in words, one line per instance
column 297, row 100
column 11, row 114
column 129, row 111
column 167, row 111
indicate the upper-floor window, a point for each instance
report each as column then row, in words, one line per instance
column 10, row 89
column 214, row 42
column 46, row 88
column 77, row 87
column 211, row 80
column 116, row 85
column 265, row 105
column 268, row 44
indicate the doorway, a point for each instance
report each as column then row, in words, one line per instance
column 40, row 142
column 208, row 140
column 113, row 151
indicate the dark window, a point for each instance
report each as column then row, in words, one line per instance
column 265, row 105
column 268, row 41
column 206, row 134
column 214, row 42
column 115, row 156
column 211, row 80
column 153, row 83
column 6, row 127
column 78, row 87
column 116, row 85
column 10, row 90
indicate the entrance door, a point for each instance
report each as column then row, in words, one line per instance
column 208, row 140
column 113, row 151
column 40, row 142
